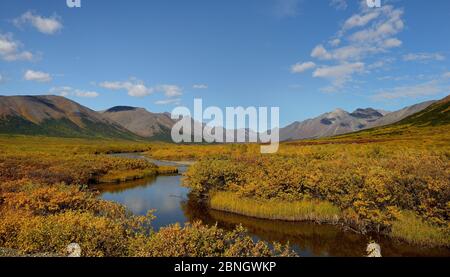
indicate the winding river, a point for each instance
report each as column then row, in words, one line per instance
column 172, row 204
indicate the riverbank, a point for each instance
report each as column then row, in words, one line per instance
column 305, row 210
column 407, row 227
column 131, row 175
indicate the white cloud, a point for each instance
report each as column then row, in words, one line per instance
column 170, row 90
column 363, row 38
column 319, row 52
column 69, row 91
column 137, row 88
column 175, row 101
column 134, row 87
column 37, row 76
column 339, row 74
column 10, row 49
column 412, row 91
column 390, row 24
column 380, row 63
column 45, row 25
column 392, row 42
column 360, row 20
column 375, row 33
column 339, row 4
column 200, row 86
column 302, row 67
column 335, row 42
column 423, row 57
column 61, row 91
column 352, row 52
column 88, row 94
column 1, row 78
column 446, row 75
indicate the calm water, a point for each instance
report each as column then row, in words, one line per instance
column 173, row 204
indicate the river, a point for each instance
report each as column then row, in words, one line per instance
column 172, row 204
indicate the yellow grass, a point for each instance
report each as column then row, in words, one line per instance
column 410, row 228
column 311, row 210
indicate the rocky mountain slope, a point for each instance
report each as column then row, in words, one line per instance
column 55, row 116
column 340, row 122
column 141, row 122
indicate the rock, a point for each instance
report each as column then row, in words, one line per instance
column 373, row 250
column 74, row 250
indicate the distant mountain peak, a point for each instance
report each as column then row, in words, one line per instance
column 121, row 109
column 366, row 113
column 337, row 113
column 340, row 121
column 141, row 122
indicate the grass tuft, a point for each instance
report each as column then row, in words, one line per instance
column 305, row 210
column 410, row 228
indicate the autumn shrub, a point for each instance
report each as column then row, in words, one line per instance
column 38, row 218
column 97, row 236
column 197, row 240
column 370, row 191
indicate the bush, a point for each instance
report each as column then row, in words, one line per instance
column 197, row 240
column 370, row 192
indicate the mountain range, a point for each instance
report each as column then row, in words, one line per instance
column 340, row 122
column 58, row 116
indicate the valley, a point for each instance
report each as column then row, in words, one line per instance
column 389, row 184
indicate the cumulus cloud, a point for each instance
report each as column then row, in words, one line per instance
column 174, row 101
column 411, row 91
column 360, row 20
column 374, row 33
column 423, row 57
column 392, row 42
column 11, row 49
column 200, row 86
column 302, row 67
column 135, row 88
column 335, row 42
column 319, row 52
column 170, row 90
column 45, row 25
column 38, row 76
column 339, row 74
column 368, row 35
column 389, row 23
column 69, row 91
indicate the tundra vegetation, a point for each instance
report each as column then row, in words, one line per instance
column 46, row 204
column 393, row 180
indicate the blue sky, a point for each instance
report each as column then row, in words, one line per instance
column 307, row 57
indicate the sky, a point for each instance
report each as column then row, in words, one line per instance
column 307, row 57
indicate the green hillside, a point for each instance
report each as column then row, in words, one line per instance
column 17, row 125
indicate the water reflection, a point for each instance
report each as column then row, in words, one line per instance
column 174, row 204
column 307, row 239
column 162, row 193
